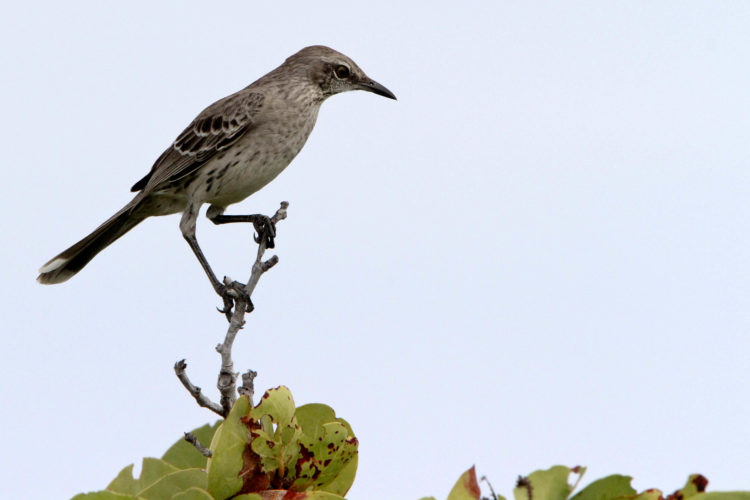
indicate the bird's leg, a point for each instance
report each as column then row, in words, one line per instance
column 229, row 291
column 263, row 224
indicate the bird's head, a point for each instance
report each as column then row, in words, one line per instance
column 333, row 72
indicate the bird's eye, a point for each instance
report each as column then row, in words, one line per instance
column 341, row 72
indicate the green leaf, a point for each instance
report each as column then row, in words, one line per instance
column 103, row 495
column 343, row 481
column 466, row 488
column 124, row 483
column 277, row 403
column 695, row 484
column 319, row 495
column 323, row 457
column 723, row 495
column 248, row 496
column 183, row 455
column 277, row 440
column 312, row 416
column 550, row 484
column 152, row 470
column 651, row 494
column 312, row 419
column 607, row 488
column 175, row 483
column 279, row 450
column 193, row 493
column 227, row 446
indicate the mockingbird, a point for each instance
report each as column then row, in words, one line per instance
column 233, row 148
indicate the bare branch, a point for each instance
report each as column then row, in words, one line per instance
column 180, row 370
column 190, row 438
column 227, row 380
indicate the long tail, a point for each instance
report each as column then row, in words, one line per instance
column 68, row 263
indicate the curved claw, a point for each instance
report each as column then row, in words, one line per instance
column 266, row 230
column 229, row 294
column 228, row 306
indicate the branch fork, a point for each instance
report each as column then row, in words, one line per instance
column 227, row 379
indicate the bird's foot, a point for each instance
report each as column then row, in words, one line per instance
column 266, row 229
column 233, row 293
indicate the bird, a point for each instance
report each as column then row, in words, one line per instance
column 233, row 148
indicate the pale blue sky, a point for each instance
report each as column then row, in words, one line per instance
column 539, row 254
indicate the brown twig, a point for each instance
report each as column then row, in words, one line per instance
column 190, row 438
column 492, row 490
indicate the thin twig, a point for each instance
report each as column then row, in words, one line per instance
column 227, row 380
column 492, row 490
column 190, row 438
column 180, row 370
column 248, row 385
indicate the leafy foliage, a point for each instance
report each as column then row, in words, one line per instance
column 553, row 484
column 300, row 453
column 276, row 449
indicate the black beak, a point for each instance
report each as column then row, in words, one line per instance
column 376, row 88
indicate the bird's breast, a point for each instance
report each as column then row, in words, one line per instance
column 257, row 157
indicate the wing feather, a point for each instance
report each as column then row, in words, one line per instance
column 215, row 129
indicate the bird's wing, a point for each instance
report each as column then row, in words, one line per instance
column 215, row 129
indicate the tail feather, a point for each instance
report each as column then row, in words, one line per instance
column 63, row 266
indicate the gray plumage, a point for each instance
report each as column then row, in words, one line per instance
column 232, row 149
